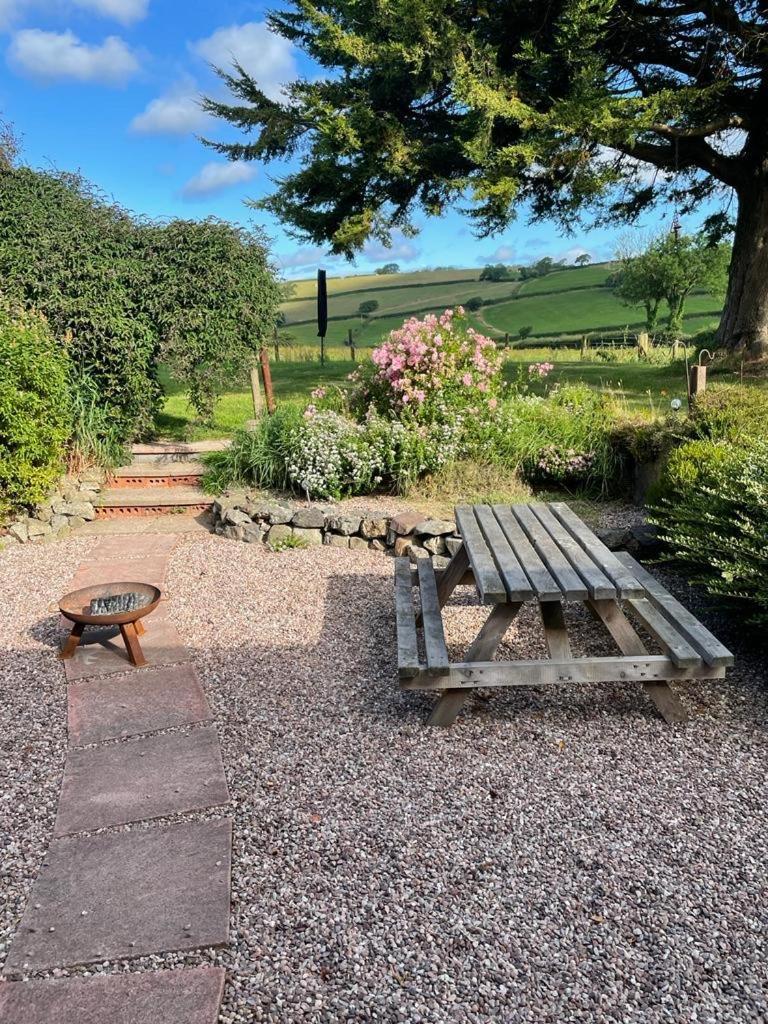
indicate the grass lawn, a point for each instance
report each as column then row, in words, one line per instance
column 637, row 387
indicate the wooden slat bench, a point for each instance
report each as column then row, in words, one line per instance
column 547, row 554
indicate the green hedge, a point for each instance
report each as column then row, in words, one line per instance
column 34, row 409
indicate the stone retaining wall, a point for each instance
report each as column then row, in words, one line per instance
column 258, row 520
column 70, row 505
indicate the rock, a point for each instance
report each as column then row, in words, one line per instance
column 233, row 532
column 346, row 525
column 436, row 545
column 417, row 551
column 93, row 478
column 312, row 538
column 377, row 545
column 373, row 528
column 79, row 509
column 335, row 540
column 309, row 518
column 434, row 527
column 19, row 531
column 615, row 539
column 358, row 542
column 440, row 562
column 86, row 494
column 405, row 522
column 76, row 521
column 58, row 523
column 235, row 517
column 231, row 499
column 279, row 532
column 44, row 513
column 403, row 546
column 453, row 544
column 268, row 510
column 253, row 533
column 37, row 529
column 644, row 541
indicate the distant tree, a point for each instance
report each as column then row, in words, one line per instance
column 473, row 304
column 388, row 268
column 544, row 266
column 497, row 272
column 583, row 259
column 524, row 332
column 366, row 308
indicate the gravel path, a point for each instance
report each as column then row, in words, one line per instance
column 557, row 856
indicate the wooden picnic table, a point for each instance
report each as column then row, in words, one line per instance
column 545, row 553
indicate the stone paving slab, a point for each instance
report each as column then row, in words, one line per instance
column 187, row 996
column 130, row 548
column 139, row 525
column 149, row 569
column 153, row 777
column 145, row 701
column 153, row 890
column 160, row 643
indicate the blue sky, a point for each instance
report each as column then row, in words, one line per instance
column 111, row 88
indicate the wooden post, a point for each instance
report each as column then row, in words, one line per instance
column 506, row 339
column 266, row 376
column 643, row 344
column 697, row 381
column 258, row 405
column 584, row 346
column 322, row 349
column 351, row 344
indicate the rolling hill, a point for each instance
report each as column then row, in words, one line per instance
column 566, row 303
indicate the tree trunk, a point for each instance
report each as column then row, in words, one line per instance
column 744, row 324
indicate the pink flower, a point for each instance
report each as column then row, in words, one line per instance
column 492, row 403
column 466, row 380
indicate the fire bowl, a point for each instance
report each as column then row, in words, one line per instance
column 76, row 606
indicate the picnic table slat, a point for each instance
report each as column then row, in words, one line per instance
column 598, row 584
column 571, row 584
column 509, row 567
column 489, row 583
column 407, row 640
column 625, row 581
column 432, row 620
column 708, row 646
column 677, row 647
column 544, row 585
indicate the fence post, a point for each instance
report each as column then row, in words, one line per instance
column 506, row 339
column 266, row 376
column 351, row 344
column 258, row 405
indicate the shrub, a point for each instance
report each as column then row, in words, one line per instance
column 731, row 412
column 95, row 435
column 430, row 369
column 714, row 516
column 34, row 409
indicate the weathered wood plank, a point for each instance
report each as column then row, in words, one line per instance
column 652, row 668
column 507, row 562
column 571, row 585
column 708, row 646
column 678, row 648
column 407, row 642
column 624, row 580
column 483, row 648
column 628, row 642
column 598, row 584
column 490, row 585
column 457, row 572
column 432, row 620
column 555, row 632
column 544, row 585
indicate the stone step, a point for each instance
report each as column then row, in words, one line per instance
column 157, row 474
column 116, row 502
column 176, row 451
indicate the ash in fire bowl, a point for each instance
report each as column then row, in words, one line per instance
column 114, row 604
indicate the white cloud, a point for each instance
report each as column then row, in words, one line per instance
column 267, row 57
column 503, row 254
column 124, row 11
column 176, row 112
column 569, row 255
column 216, row 176
column 50, row 56
column 400, row 249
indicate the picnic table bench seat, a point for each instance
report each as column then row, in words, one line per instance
column 546, row 554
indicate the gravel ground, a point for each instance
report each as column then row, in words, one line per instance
column 559, row 855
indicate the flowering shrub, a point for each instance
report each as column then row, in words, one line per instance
column 540, row 370
column 429, row 368
column 561, row 466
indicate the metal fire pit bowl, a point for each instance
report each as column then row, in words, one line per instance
column 76, row 608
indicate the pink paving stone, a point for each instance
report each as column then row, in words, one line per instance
column 190, row 996
column 160, row 643
column 146, row 701
column 152, row 777
column 151, row 890
column 136, row 546
column 130, row 570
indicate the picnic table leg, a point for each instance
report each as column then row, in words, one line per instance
column 483, row 648
column 628, row 642
column 555, row 632
column 450, row 579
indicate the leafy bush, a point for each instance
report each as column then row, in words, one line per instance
column 428, row 370
column 714, row 516
column 34, row 409
column 95, row 435
column 731, row 412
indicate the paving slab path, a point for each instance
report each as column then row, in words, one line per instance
column 141, row 747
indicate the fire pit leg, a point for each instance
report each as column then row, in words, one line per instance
column 132, row 645
column 73, row 640
column 140, row 627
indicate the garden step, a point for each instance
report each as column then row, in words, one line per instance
column 153, row 474
column 115, row 502
column 176, row 451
